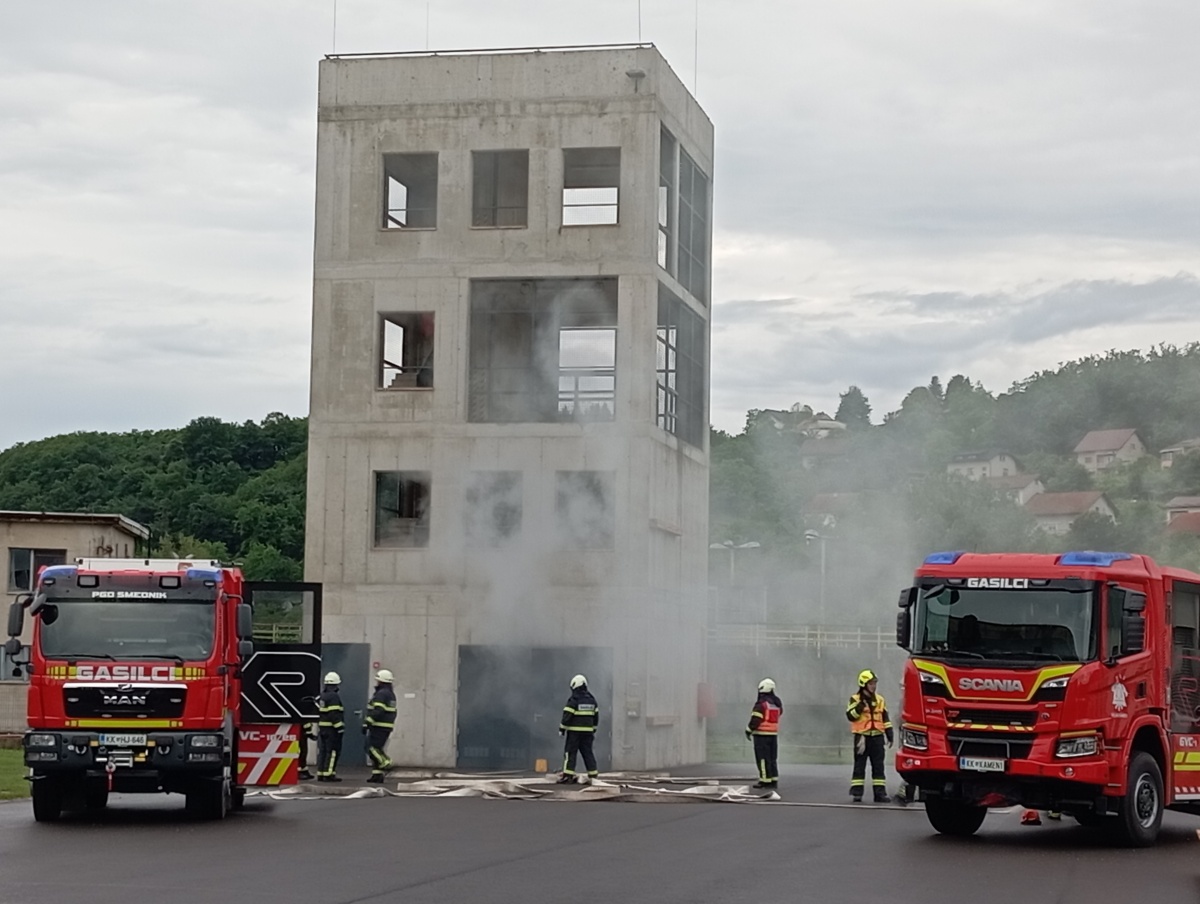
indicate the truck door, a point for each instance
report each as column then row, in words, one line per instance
column 282, row 677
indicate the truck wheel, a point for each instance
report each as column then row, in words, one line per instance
column 953, row 817
column 95, row 796
column 238, row 799
column 1089, row 820
column 47, row 800
column 209, row 799
column 1141, row 812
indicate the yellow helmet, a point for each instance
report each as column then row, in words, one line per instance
column 866, row 675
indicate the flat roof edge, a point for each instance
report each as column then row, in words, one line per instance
column 127, row 524
column 485, row 51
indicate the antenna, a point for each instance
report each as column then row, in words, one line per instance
column 696, row 51
column 426, row 24
column 639, row 21
column 335, row 26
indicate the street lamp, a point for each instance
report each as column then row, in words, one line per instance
column 809, row 537
column 733, row 548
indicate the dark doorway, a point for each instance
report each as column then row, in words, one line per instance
column 510, row 700
column 352, row 662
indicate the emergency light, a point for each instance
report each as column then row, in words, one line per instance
column 1089, row 557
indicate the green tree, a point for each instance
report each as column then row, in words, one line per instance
column 853, row 409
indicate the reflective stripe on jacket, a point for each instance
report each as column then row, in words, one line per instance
column 330, row 713
column 868, row 717
column 581, row 713
column 764, row 720
column 381, row 711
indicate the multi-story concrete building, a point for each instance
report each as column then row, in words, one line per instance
column 508, row 460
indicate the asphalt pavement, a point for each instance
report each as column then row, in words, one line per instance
column 814, row 845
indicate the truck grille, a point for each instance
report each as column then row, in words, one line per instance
column 124, row 700
column 983, row 717
column 989, row 744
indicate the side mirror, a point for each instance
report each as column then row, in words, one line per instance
column 16, row 621
column 1135, row 602
column 907, row 597
column 12, row 647
column 904, row 629
column 245, row 621
column 1133, row 633
column 245, row 648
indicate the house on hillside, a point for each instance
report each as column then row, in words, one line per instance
column 1187, row 524
column 1020, row 488
column 1167, row 456
column 980, row 464
column 1056, row 512
column 1100, row 449
column 799, row 419
column 1181, row 505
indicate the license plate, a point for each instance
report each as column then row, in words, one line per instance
column 980, row 764
column 123, row 740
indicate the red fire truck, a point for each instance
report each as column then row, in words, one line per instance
column 143, row 678
column 1063, row 682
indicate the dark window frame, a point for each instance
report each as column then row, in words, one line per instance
column 409, row 524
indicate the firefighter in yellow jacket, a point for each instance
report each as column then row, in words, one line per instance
column 870, row 725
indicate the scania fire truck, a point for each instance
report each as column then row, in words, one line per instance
column 143, row 678
column 1064, row 682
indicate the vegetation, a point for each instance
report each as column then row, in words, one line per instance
column 12, row 774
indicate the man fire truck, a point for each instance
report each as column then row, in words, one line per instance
column 1057, row 682
column 136, row 676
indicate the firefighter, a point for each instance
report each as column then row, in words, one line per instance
column 331, row 726
column 869, row 724
column 580, row 718
column 306, row 735
column 764, row 731
column 381, row 719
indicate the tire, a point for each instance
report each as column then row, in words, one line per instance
column 209, row 799
column 95, row 797
column 47, row 796
column 1141, row 812
column 953, row 817
column 1089, row 820
column 237, row 799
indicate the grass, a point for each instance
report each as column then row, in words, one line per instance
column 12, row 775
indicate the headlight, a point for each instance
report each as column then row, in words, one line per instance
column 41, row 740
column 1057, row 682
column 917, row 740
column 1085, row 746
column 41, row 756
column 204, row 740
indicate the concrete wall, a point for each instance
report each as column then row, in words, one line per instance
column 645, row 597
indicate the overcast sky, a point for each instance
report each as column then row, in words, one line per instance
column 903, row 189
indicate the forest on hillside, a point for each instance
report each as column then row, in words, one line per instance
column 236, row 491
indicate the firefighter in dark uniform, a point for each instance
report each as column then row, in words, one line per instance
column 331, row 725
column 306, row 735
column 381, row 719
column 764, row 731
column 869, row 724
column 580, row 718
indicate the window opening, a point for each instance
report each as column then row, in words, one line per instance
column 401, row 509
column 24, row 565
column 493, row 507
column 591, row 186
column 666, row 201
column 542, row 350
column 406, row 350
column 584, row 509
column 680, row 363
column 693, row 228
column 500, row 189
column 410, row 191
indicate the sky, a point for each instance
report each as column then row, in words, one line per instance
column 902, row 190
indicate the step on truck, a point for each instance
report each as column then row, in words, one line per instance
column 1060, row 682
column 144, row 677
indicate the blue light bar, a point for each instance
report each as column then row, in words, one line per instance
column 1090, row 557
column 203, row 574
column 54, row 572
column 944, row 558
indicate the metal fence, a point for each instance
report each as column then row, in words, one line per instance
column 814, row 637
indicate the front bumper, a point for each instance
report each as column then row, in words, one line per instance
column 126, row 754
column 1033, row 783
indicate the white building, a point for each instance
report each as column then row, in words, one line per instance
column 508, row 458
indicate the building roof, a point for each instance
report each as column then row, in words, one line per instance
column 980, row 455
column 1184, row 502
column 1187, row 523
column 1184, row 445
column 118, row 521
column 1105, row 440
column 1051, row 504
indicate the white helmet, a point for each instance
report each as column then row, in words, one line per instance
column 333, row 678
column 766, row 686
column 384, row 676
column 577, row 682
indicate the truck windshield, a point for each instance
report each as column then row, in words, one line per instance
column 128, row 629
column 1051, row 624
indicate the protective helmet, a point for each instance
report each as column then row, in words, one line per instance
column 384, row 676
column 766, row 686
column 577, row 682
column 864, row 676
column 333, row 678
